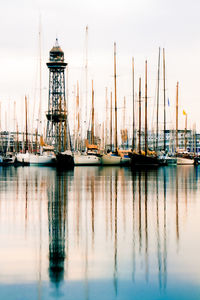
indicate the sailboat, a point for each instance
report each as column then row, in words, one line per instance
column 113, row 158
column 170, row 160
column 23, row 158
column 91, row 156
column 144, row 158
column 182, row 159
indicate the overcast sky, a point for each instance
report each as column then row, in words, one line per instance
column 139, row 27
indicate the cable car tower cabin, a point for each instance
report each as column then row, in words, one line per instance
column 56, row 114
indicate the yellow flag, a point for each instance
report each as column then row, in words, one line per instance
column 184, row 113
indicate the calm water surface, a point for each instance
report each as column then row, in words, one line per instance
column 100, row 233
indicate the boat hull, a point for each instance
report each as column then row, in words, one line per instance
column 64, row 161
column 185, row 161
column 42, row 160
column 146, row 161
column 171, row 161
column 86, row 160
column 111, row 160
column 22, row 159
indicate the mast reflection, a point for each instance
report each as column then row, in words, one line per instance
column 115, row 275
column 146, row 226
column 158, row 234
column 164, row 233
column 177, row 209
column 140, row 213
column 133, row 225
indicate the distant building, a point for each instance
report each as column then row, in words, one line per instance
column 192, row 140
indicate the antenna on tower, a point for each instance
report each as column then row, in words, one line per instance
column 56, row 42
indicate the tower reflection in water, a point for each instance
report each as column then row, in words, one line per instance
column 57, row 216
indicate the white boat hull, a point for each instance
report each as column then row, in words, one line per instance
column 113, row 160
column 171, row 161
column 185, row 161
column 23, row 158
column 80, row 160
column 41, row 159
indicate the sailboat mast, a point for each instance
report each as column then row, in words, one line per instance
column 77, row 116
column 36, row 140
column 86, row 78
column 103, row 137
column 111, row 121
column 65, row 125
column 17, row 138
column 92, row 129
column 40, row 79
column 186, row 132
column 157, row 117
column 133, row 141
column 115, row 85
column 106, row 120
column 124, row 121
column 177, row 117
column 139, row 145
column 146, row 136
column 164, row 100
column 14, row 144
column 26, row 112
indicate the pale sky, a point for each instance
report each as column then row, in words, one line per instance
column 139, row 27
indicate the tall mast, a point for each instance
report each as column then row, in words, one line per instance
column 36, row 140
column 14, row 126
column 40, row 59
column 164, row 100
column 92, row 129
column 139, row 145
column 185, row 131
column 133, row 141
column 124, row 120
column 177, row 117
column 26, row 112
column 17, row 138
column 65, row 125
column 106, row 120
column 111, row 121
column 86, row 78
column 146, row 137
column 75, row 109
column 103, row 138
column 77, row 115
column 157, row 119
column 115, row 85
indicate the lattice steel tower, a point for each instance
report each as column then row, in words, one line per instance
column 57, row 125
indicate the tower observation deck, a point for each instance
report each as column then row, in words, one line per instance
column 57, row 125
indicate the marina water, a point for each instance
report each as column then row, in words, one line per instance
column 100, row 233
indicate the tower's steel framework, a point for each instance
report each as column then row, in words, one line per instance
column 57, row 125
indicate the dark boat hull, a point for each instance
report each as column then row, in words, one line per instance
column 146, row 161
column 64, row 161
